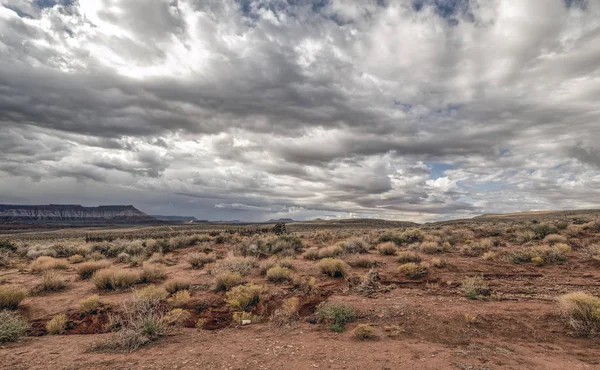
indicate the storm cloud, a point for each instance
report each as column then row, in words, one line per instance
column 240, row 109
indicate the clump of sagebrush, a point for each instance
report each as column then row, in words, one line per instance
column 581, row 312
column 58, row 324
column 331, row 251
column 226, row 280
column 11, row 296
column 90, row 304
column 336, row 315
column 75, row 259
column 414, row 270
column 241, row 265
column 45, row 263
column 152, row 274
column 311, row 254
column 242, row 297
column 12, row 326
column 476, row 249
column 279, row 274
column 364, row 332
column 355, row 245
column 439, row 262
column 554, row 239
column 431, row 247
column 369, row 283
column 85, row 270
column 199, row 260
column 363, row 262
column 544, row 229
column 387, row 249
column 176, row 317
column 51, row 281
column 333, row 267
column 542, row 254
column 175, row 285
column 474, row 287
column 405, row 257
column 287, row 313
column 180, row 299
column 114, row 279
column 287, row 245
column 7, row 245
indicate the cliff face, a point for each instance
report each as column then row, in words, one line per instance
column 71, row 213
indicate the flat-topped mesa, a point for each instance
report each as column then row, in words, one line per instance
column 72, row 213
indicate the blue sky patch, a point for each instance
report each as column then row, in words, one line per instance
column 438, row 169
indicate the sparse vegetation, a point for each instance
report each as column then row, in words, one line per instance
column 475, row 287
column 333, row 267
column 180, row 299
column 413, row 270
column 199, row 260
column 364, row 332
column 90, row 304
column 114, row 278
column 85, row 270
column 279, row 274
column 176, row 285
column 11, row 296
column 581, row 312
column 242, row 297
column 336, row 315
column 287, row 313
column 51, row 281
column 58, row 325
column 387, row 249
column 12, row 326
column 227, row 280
column 406, row 257
column 45, row 263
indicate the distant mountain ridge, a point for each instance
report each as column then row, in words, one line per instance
column 72, row 213
column 176, row 218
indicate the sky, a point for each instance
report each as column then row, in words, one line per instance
column 414, row 110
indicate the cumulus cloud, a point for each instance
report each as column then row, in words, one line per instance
column 254, row 109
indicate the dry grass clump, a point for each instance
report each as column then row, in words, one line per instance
column 333, row 267
column 51, row 281
column 45, row 263
column 113, row 278
column 227, row 280
column 369, row 283
column 180, row 299
column 90, row 304
column 355, row 245
column 387, row 249
column 241, row 265
column 431, row 247
column 364, row 332
column 199, row 260
column 543, row 254
column 405, row 257
column 311, row 254
column 476, row 249
column 279, row 274
column 287, row 313
column 474, row 287
column 245, row 318
column 175, row 285
column 176, row 317
column 414, row 270
column 152, row 274
column 331, row 251
column 11, row 296
column 242, row 297
column 75, row 259
column 363, row 262
column 85, row 270
column 150, row 295
column 554, row 239
column 490, row 256
column 58, row 325
column 336, row 315
column 581, row 311
column 439, row 262
column 12, row 326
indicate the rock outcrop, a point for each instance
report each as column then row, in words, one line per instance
column 72, row 213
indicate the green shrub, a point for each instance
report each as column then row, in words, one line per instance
column 11, row 296
column 12, row 326
column 7, row 245
column 336, row 315
column 333, row 267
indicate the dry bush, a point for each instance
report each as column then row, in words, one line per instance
column 266, row 265
column 11, row 296
column 242, row 297
column 58, row 325
column 524, row 236
column 581, row 311
column 95, row 256
column 244, row 318
column 554, row 239
column 363, row 262
column 414, row 270
column 241, row 265
column 199, row 260
column 90, row 304
column 176, row 317
column 333, row 267
column 227, row 280
column 476, row 249
column 431, row 247
column 490, row 256
column 439, row 262
column 287, row 313
column 355, row 245
column 311, row 254
column 279, row 274
column 51, row 281
column 124, row 257
column 75, row 259
column 45, row 263
column 304, row 285
column 331, row 251
column 336, row 315
column 542, row 254
column 12, row 326
column 180, row 299
column 405, row 257
column 474, row 287
column 387, row 249
column 114, row 278
column 175, row 285
column 85, row 270
column 369, row 283
column 152, row 274
column 364, row 332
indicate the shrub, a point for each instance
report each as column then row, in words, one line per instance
column 405, row 257
column 11, row 296
column 476, row 249
column 287, row 245
column 198, row 260
column 242, row 297
column 554, row 239
column 58, row 325
column 287, row 313
column 51, row 281
column 439, row 262
column 331, row 251
column 124, row 257
column 114, row 278
column 369, row 283
column 148, row 296
column 175, row 285
column 355, row 245
column 336, row 315
column 90, row 304
column 387, row 249
column 85, row 270
column 543, row 254
column 311, row 254
column 279, row 274
column 364, row 332
column 474, row 287
column 176, row 317
column 241, row 265
column 180, row 299
column 45, row 263
column 363, row 262
column 266, row 265
column 12, row 326
column 581, row 311
column 412, row 236
column 152, row 274
column 431, row 247
column 227, row 280
column 244, row 318
column 7, row 245
column 389, row 238
column 489, row 256
column 413, row 270
column 333, row 267
column 75, row 259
